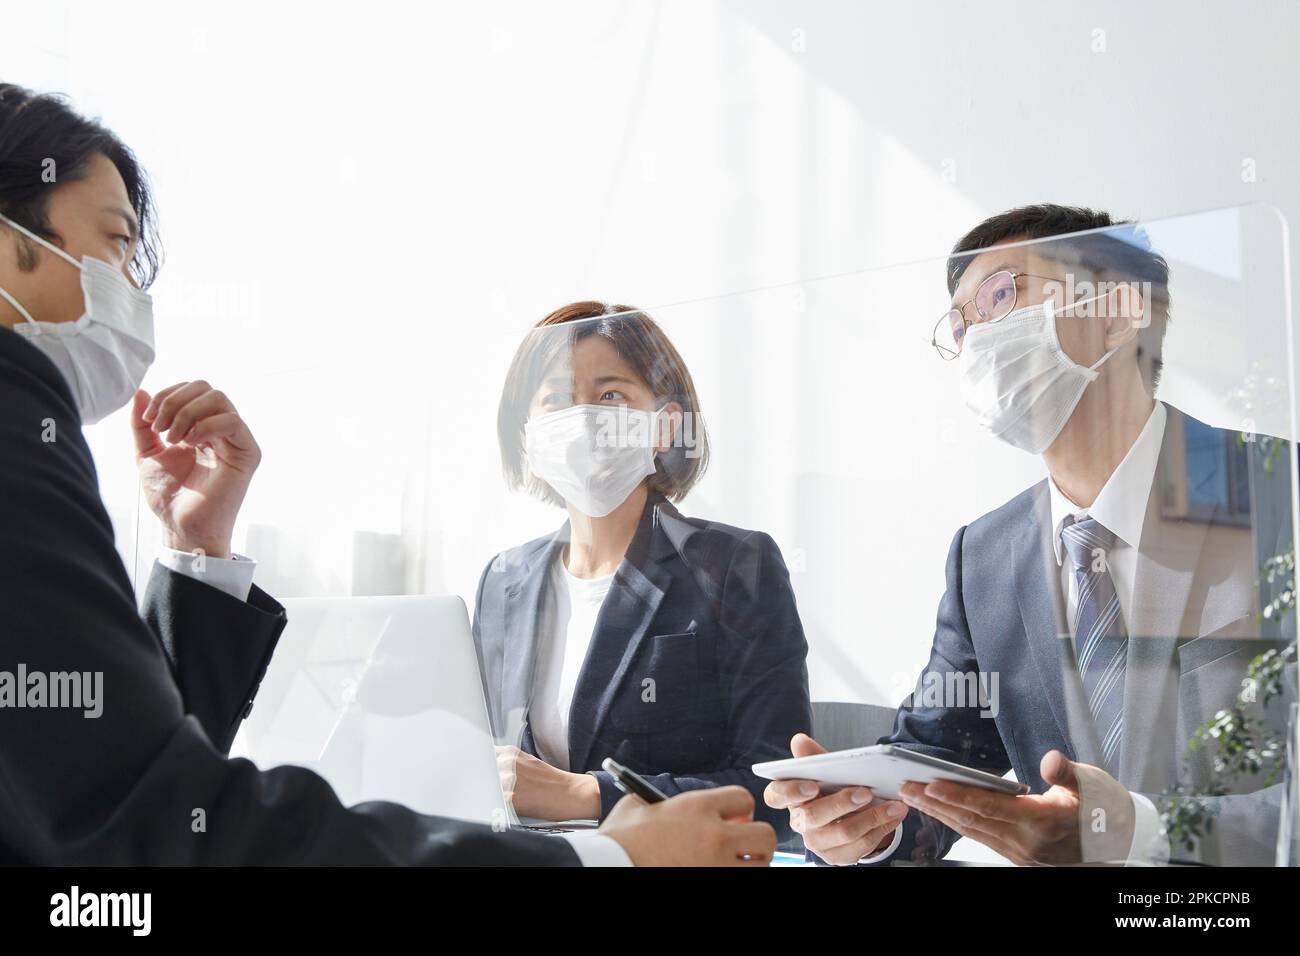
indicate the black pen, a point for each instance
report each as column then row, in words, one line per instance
column 629, row 781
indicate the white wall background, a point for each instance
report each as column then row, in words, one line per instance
column 364, row 205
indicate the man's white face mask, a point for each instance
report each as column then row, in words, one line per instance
column 1018, row 380
column 593, row 456
column 105, row 354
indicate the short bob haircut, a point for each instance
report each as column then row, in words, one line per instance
column 643, row 345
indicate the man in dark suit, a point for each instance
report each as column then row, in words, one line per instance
column 113, row 734
column 1115, row 617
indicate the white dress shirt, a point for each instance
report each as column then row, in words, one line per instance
column 234, row 576
column 569, row 615
column 1120, row 507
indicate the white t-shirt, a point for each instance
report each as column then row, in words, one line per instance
column 569, row 614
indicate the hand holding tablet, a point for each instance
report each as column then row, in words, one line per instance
column 883, row 768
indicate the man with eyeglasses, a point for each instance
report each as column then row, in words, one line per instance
column 1058, row 344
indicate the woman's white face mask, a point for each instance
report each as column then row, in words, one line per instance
column 105, row 353
column 593, row 456
column 1018, row 380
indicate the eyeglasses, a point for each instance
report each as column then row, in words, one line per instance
column 994, row 299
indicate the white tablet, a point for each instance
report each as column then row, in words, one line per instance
column 883, row 768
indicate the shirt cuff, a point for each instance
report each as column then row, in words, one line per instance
column 888, row 851
column 593, row 849
column 232, row 575
column 1150, row 845
column 610, row 794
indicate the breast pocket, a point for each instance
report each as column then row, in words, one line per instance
column 1211, row 675
column 663, row 678
column 673, row 717
column 1204, row 651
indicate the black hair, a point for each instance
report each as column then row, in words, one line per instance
column 39, row 132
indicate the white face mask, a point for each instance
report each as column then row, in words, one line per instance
column 104, row 354
column 593, row 456
column 1018, row 380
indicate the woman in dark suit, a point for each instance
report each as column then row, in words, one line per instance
column 667, row 642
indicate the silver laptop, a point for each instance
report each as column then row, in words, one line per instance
column 382, row 696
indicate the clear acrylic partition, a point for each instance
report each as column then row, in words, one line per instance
column 846, row 476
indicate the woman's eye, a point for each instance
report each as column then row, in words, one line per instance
column 613, row 396
column 124, row 240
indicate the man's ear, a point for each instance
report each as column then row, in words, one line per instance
column 15, row 256
column 1125, row 314
column 19, row 252
column 10, row 251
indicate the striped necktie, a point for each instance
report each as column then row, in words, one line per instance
column 1100, row 639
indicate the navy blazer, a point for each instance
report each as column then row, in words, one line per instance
column 1193, row 626
column 696, row 669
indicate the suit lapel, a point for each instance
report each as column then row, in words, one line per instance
column 523, row 614
column 1158, row 621
column 638, row 589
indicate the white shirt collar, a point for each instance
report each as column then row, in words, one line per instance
column 1121, row 505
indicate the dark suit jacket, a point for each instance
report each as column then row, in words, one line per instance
column 696, row 669
column 1193, row 629
column 216, row 657
column 148, row 782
